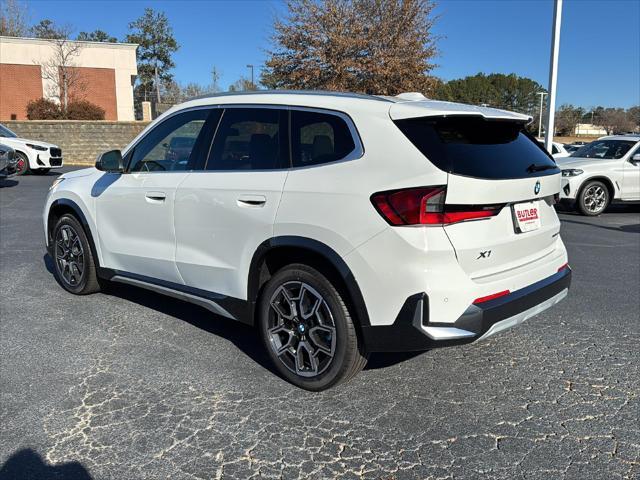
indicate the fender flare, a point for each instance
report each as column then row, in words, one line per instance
column 319, row 248
column 65, row 202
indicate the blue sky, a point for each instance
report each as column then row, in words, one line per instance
column 599, row 43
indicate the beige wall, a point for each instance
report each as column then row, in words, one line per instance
column 121, row 57
column 80, row 141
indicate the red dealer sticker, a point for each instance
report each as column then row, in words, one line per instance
column 526, row 216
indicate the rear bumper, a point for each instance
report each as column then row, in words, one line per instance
column 413, row 331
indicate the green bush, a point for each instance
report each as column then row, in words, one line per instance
column 43, row 109
column 84, row 110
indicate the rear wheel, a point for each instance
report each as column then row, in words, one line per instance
column 22, row 164
column 73, row 260
column 593, row 199
column 307, row 329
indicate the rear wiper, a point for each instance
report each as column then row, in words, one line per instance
column 539, row 168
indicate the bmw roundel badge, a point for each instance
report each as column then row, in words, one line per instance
column 536, row 189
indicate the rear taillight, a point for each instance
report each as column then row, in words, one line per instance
column 425, row 206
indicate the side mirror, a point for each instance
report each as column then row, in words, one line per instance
column 635, row 159
column 110, row 161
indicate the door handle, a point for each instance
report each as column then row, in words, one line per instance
column 252, row 200
column 155, row 197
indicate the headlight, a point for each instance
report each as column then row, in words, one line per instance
column 56, row 182
column 37, row 147
column 572, row 172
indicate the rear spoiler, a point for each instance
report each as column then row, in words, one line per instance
column 435, row 108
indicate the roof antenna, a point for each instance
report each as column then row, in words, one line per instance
column 411, row 96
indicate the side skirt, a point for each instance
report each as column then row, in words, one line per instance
column 229, row 307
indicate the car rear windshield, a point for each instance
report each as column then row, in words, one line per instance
column 475, row 147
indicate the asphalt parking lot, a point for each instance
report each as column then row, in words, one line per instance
column 128, row 384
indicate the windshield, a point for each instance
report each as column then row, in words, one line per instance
column 5, row 132
column 605, row 149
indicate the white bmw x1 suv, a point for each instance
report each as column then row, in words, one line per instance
column 338, row 224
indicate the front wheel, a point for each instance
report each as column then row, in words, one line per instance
column 307, row 329
column 593, row 199
column 22, row 164
column 74, row 263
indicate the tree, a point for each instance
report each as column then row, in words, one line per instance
column 567, row 117
column 372, row 46
column 13, row 18
column 48, row 30
column 509, row 92
column 154, row 36
column 65, row 78
column 613, row 120
column 242, row 85
column 633, row 114
column 96, row 36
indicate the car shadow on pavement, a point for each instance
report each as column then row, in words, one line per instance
column 634, row 228
column 242, row 336
column 8, row 182
column 28, row 464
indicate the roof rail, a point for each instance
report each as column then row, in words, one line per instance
column 327, row 93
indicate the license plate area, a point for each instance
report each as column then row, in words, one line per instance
column 526, row 216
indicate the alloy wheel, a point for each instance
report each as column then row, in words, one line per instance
column 21, row 165
column 69, row 255
column 301, row 329
column 595, row 199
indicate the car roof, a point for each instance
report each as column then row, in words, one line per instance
column 634, row 138
column 405, row 105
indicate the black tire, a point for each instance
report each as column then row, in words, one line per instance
column 22, row 164
column 593, row 198
column 41, row 171
column 66, row 254
column 348, row 356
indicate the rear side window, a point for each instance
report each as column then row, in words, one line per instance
column 318, row 138
column 249, row 139
column 475, row 147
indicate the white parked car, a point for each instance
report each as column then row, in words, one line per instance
column 7, row 161
column 558, row 150
column 337, row 224
column 603, row 171
column 32, row 155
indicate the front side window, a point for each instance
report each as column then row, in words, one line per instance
column 249, row 139
column 318, row 138
column 169, row 146
column 605, row 149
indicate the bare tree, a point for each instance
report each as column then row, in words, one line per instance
column 567, row 117
column 66, row 81
column 13, row 18
column 613, row 120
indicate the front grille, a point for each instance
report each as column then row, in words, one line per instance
column 55, row 162
column 55, row 152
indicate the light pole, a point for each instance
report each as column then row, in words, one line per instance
column 251, row 67
column 542, row 94
column 553, row 74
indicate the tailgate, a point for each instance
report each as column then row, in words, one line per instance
column 497, row 244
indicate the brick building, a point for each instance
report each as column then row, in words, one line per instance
column 107, row 72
